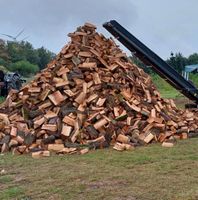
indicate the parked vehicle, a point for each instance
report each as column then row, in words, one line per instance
column 10, row 80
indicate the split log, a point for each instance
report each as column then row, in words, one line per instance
column 49, row 127
column 67, row 151
column 55, row 147
column 148, row 138
column 84, row 151
column 100, row 123
column 40, row 154
column 167, row 144
column 123, row 139
column 68, row 120
column 66, row 130
column 92, row 132
column 56, row 98
column 121, row 147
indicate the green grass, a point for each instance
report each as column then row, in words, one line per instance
column 166, row 90
column 146, row 173
column 194, row 79
column 5, row 179
column 11, row 193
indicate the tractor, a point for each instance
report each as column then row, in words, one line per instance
column 8, row 81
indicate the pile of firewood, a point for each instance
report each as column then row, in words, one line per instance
column 91, row 96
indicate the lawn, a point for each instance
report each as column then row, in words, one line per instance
column 166, row 90
column 146, row 173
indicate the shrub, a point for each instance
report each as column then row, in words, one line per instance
column 24, row 67
column 2, row 62
column 4, row 69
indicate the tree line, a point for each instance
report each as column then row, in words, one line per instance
column 22, row 57
column 176, row 60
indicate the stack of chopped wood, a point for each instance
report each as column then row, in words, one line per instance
column 91, row 96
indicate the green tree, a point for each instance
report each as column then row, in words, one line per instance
column 15, row 52
column 25, row 51
column 4, row 56
column 30, row 53
column 24, row 67
column 22, row 51
column 45, row 56
column 193, row 59
column 177, row 61
column 2, row 62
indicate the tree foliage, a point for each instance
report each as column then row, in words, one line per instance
column 177, row 61
column 25, row 51
column 4, row 56
column 44, row 57
column 25, row 68
column 2, row 62
column 193, row 59
column 14, row 51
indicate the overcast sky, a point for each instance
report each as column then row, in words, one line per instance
column 164, row 26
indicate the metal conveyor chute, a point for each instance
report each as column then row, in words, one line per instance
column 149, row 57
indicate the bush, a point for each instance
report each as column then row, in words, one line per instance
column 2, row 62
column 23, row 67
column 4, row 69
